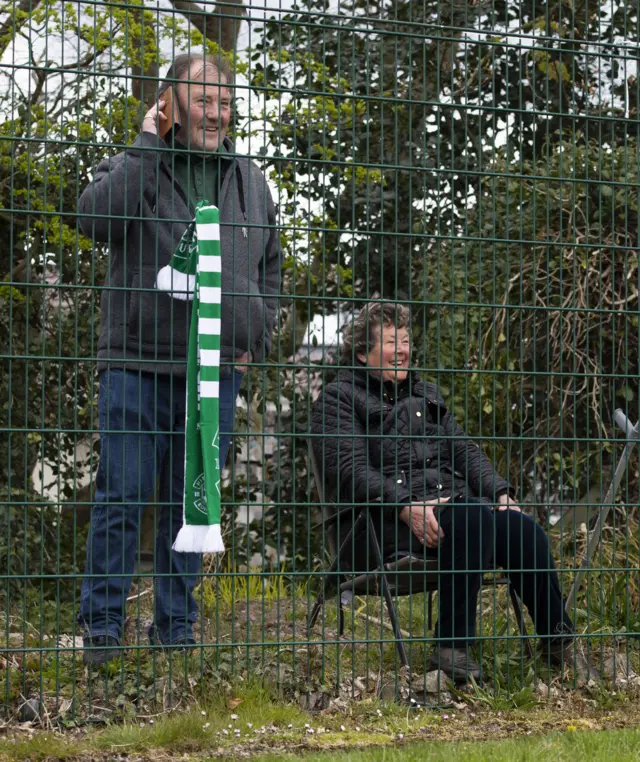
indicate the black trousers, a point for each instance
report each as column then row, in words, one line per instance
column 476, row 538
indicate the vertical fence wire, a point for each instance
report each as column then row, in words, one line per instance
column 475, row 163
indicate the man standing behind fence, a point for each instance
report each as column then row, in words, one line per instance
column 140, row 204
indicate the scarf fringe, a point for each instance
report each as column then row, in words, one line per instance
column 199, row 539
column 179, row 285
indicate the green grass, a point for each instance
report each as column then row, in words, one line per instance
column 605, row 746
column 213, row 721
column 248, row 709
column 249, row 722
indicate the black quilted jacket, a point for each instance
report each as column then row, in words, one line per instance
column 394, row 444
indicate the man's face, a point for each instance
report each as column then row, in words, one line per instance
column 205, row 109
column 389, row 357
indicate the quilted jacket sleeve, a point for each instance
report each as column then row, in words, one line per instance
column 472, row 463
column 340, row 446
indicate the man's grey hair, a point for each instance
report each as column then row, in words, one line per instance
column 361, row 334
column 181, row 65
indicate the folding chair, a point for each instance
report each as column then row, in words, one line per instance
column 394, row 577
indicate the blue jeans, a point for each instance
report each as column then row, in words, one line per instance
column 142, row 422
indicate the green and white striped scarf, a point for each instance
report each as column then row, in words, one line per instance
column 195, row 273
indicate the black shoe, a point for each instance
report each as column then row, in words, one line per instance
column 179, row 645
column 456, row 663
column 99, row 649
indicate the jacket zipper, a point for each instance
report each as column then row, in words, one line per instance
column 243, row 208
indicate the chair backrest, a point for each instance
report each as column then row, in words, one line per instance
column 328, row 505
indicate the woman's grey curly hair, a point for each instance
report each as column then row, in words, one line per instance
column 361, row 334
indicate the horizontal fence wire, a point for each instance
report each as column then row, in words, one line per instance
column 425, row 365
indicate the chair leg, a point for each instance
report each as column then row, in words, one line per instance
column 315, row 611
column 329, row 575
column 340, row 616
column 517, row 610
column 377, row 557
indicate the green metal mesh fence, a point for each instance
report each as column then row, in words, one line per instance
column 476, row 163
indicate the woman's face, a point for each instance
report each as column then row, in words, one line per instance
column 390, row 356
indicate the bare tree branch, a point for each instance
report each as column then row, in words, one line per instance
column 82, row 63
column 11, row 25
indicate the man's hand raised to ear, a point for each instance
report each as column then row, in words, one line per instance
column 154, row 118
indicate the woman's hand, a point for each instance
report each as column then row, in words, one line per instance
column 507, row 503
column 420, row 518
column 150, row 122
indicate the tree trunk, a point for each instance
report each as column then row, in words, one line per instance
column 144, row 84
column 145, row 90
column 221, row 26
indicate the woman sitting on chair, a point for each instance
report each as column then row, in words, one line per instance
column 387, row 439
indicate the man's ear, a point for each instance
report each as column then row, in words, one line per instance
column 362, row 358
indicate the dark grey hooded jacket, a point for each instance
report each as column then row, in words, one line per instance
column 135, row 207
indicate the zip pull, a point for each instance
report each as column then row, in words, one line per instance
column 244, row 227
